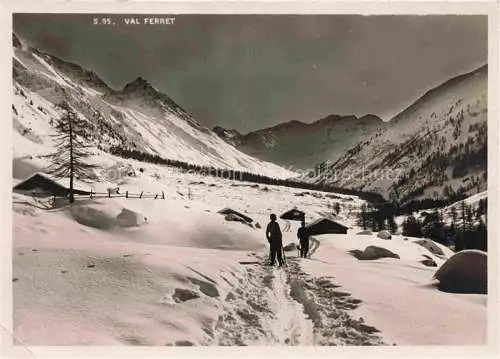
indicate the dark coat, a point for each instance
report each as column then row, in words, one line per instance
column 302, row 234
column 273, row 233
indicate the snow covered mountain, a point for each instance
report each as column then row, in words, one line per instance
column 301, row 145
column 230, row 136
column 136, row 117
column 435, row 148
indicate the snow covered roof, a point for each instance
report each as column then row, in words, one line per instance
column 228, row 210
column 293, row 214
column 42, row 180
column 324, row 225
column 43, row 174
column 321, row 219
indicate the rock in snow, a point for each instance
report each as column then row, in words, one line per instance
column 430, row 245
column 105, row 215
column 384, row 235
column 373, row 252
column 128, row 218
column 464, row 272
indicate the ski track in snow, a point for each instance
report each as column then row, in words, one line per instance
column 260, row 311
column 288, row 307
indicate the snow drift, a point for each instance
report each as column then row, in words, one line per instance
column 104, row 215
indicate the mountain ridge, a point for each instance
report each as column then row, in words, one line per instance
column 138, row 116
column 434, row 148
column 301, row 145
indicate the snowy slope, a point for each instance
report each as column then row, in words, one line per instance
column 138, row 116
column 299, row 145
column 178, row 273
column 434, row 148
column 474, row 202
column 399, row 296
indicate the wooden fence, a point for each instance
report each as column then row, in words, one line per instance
column 110, row 194
column 127, row 194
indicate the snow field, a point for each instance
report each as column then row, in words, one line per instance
column 399, row 296
column 176, row 279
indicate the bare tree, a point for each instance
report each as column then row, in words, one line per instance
column 69, row 159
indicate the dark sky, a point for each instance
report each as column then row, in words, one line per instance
column 250, row 71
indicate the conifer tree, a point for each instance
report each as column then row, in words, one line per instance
column 69, row 159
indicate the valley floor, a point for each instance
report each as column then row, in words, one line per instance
column 184, row 275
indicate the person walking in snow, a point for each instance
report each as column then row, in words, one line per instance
column 273, row 235
column 303, row 237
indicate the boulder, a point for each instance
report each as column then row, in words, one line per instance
column 465, row 272
column 128, row 218
column 384, row 235
column 430, row 246
column 373, row 252
column 428, row 261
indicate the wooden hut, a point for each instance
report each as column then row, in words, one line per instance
column 40, row 184
column 294, row 215
column 326, row 226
